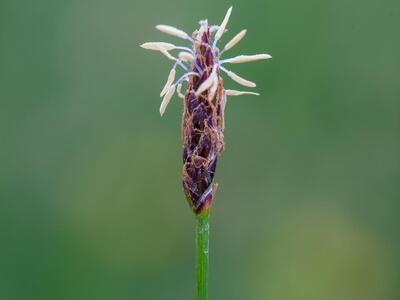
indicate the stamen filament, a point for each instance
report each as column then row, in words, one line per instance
column 185, row 76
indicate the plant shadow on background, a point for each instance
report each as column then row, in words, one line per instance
column 91, row 204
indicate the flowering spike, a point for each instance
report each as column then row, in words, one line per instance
column 222, row 27
column 173, row 31
column 204, row 103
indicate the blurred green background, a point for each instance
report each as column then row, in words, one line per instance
column 91, row 205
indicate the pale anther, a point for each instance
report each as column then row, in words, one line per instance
column 158, row 46
column 185, row 56
column 173, row 31
column 222, row 27
column 238, row 79
column 167, row 98
column 236, row 39
column 170, row 80
column 246, row 58
column 213, row 88
column 179, row 91
column 207, row 83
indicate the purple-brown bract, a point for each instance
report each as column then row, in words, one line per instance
column 204, row 103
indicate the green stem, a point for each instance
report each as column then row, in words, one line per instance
column 202, row 238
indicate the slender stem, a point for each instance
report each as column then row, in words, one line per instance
column 202, row 240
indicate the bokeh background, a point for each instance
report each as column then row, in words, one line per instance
column 91, row 205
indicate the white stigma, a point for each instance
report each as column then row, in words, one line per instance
column 173, row 31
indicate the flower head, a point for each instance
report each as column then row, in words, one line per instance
column 204, row 102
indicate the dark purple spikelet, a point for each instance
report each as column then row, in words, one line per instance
column 202, row 126
column 204, row 103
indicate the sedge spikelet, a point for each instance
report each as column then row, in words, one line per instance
column 203, row 102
